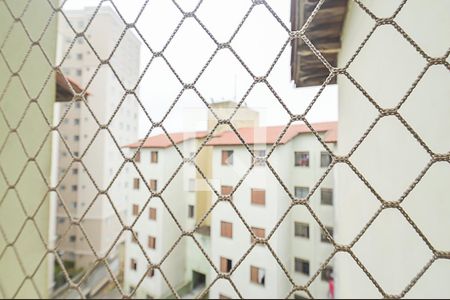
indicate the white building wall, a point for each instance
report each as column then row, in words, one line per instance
column 390, row 158
column 284, row 243
column 102, row 157
column 176, row 267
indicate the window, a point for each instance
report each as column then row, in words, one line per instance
column 79, row 72
column 78, row 105
column 327, row 274
column 152, row 213
column 226, row 229
column 72, row 238
column 76, row 121
column 153, row 185
column 222, row 296
column 133, row 265
column 61, row 220
column 258, row 196
column 63, row 188
column 227, row 157
column 325, row 159
column 80, row 56
column 323, row 235
column 258, row 232
column 226, row 190
column 258, row 154
column 74, row 171
column 225, row 265
column 301, row 192
column 257, row 275
column 135, row 209
column 326, row 196
column 302, row 159
column 301, row 229
column 297, row 296
column 151, row 272
column 75, row 153
column 74, row 204
column 191, row 211
column 80, row 41
column 74, row 188
column 154, row 157
column 136, row 183
column 137, row 157
column 302, row 266
column 152, row 242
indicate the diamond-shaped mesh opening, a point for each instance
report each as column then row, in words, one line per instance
column 158, row 149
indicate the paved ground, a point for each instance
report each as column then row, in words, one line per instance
column 98, row 277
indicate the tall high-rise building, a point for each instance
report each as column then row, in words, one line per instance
column 89, row 157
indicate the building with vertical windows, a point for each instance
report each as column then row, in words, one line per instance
column 89, row 171
column 404, row 157
column 255, row 193
column 240, row 184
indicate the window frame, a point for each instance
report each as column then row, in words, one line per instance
column 137, row 156
column 227, row 160
column 154, row 157
column 136, row 183
column 330, row 159
column 153, row 184
column 191, row 206
column 151, row 242
column 326, row 190
column 223, row 261
column 133, row 264
column 226, row 229
column 299, row 162
column 254, row 198
column 152, row 213
column 306, row 225
column 301, row 188
column 135, row 210
column 303, row 263
column 323, row 236
column 256, row 231
column 254, row 275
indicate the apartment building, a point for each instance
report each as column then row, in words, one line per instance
column 159, row 220
column 400, row 167
column 81, row 189
column 299, row 161
column 260, row 199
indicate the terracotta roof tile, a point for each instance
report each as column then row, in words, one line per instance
column 258, row 135
column 269, row 135
column 162, row 141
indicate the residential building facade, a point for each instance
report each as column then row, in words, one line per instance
column 394, row 139
column 260, row 199
column 86, row 192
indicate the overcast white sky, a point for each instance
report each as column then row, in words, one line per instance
column 257, row 43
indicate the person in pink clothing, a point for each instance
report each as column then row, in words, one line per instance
column 331, row 286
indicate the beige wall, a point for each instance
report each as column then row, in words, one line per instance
column 31, row 187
